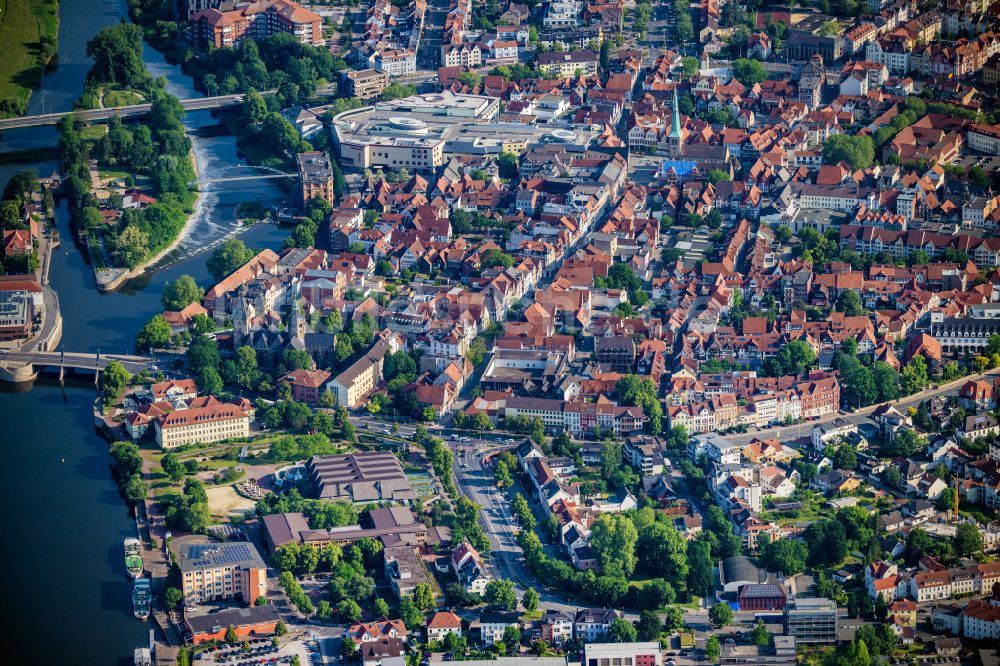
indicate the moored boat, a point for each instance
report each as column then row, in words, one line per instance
column 142, row 597
column 133, row 557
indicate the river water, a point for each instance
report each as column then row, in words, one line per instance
column 67, row 591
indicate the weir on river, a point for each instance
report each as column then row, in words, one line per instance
column 64, row 521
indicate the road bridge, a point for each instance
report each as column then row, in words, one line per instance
column 21, row 366
column 135, row 110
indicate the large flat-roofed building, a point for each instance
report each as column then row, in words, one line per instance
column 256, row 20
column 393, row 523
column 781, row 652
column 811, row 620
column 16, row 313
column 364, row 84
column 362, row 477
column 222, row 571
column 405, row 570
column 212, row 423
column 622, row 654
column 422, row 131
column 391, row 152
column 315, row 176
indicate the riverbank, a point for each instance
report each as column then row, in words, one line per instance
column 29, row 31
column 182, row 235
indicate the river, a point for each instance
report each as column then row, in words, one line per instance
column 69, row 599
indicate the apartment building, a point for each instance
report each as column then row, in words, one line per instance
column 566, row 64
column 396, row 62
column 352, row 387
column 494, row 623
column 579, row 418
column 212, row 423
column 256, row 20
column 364, row 84
column 945, row 584
column 622, row 654
column 222, row 571
column 315, row 177
column 591, row 624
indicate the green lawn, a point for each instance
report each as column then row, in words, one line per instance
column 115, row 98
column 24, row 24
column 92, row 132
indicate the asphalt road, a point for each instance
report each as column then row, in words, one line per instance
column 799, row 430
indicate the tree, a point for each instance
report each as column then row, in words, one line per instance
column 228, row 257
column 760, row 635
column 173, row 467
column 530, row 600
column 181, row 293
column 906, row 443
column 231, row 636
column 857, row 150
column 506, row 166
column 673, row 618
column 713, row 648
column 131, row 247
column 349, row 609
column 512, row 639
column 154, row 334
column 748, row 72
column 886, row 381
column 689, row 66
column 914, row 375
column 396, row 91
column 968, row 539
column 786, row 555
column 410, row 614
column 849, row 303
column 613, row 538
column 117, row 54
column 720, row 615
column 209, row 381
column 827, row 542
column 172, row 597
column 845, row 458
column 501, row 595
column 348, row 646
column 254, row 108
column 114, row 379
column 649, row 626
column 423, row 597
column 622, row 631
column 700, row 577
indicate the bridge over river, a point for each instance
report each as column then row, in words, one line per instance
column 23, row 366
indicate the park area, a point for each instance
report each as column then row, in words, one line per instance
column 28, row 32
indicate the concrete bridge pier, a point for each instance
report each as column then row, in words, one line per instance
column 17, row 374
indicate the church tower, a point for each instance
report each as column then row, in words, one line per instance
column 675, row 140
column 243, row 314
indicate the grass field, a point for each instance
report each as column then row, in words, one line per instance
column 116, row 98
column 28, row 33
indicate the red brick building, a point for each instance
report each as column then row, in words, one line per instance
column 251, row 621
column 762, row 597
